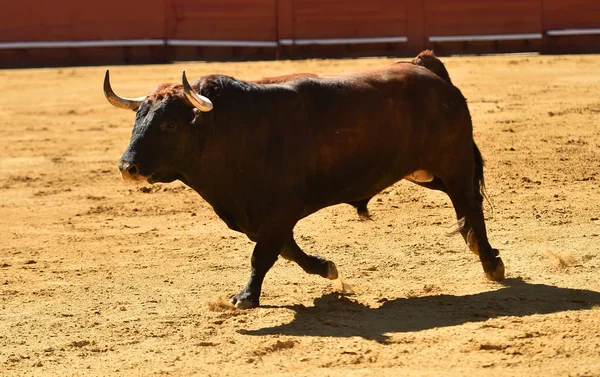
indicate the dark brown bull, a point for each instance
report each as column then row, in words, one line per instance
column 267, row 153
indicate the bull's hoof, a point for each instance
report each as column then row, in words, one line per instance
column 364, row 214
column 495, row 270
column 243, row 301
column 324, row 268
column 332, row 272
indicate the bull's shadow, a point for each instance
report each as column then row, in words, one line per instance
column 339, row 316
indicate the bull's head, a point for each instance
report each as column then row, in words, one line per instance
column 164, row 133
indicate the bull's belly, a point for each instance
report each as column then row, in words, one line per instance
column 360, row 188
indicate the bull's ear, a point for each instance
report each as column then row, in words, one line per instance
column 197, row 116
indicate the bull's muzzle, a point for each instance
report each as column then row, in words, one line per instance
column 130, row 171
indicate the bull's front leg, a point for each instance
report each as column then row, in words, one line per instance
column 264, row 256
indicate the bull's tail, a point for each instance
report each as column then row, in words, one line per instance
column 480, row 193
column 428, row 60
column 479, row 180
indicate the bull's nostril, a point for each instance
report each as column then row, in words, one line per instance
column 132, row 170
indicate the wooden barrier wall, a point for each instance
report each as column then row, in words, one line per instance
column 572, row 14
column 254, row 20
column 483, row 17
column 71, row 32
column 72, row 20
column 313, row 19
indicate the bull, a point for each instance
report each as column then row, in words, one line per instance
column 265, row 154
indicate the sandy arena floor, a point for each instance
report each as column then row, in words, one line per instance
column 102, row 278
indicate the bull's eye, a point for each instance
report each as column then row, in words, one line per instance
column 169, row 127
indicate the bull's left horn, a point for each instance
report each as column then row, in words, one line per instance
column 198, row 100
column 120, row 102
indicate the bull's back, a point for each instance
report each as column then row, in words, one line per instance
column 368, row 131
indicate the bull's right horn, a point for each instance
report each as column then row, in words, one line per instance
column 198, row 100
column 120, row 102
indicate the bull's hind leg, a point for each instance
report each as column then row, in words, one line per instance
column 361, row 208
column 464, row 227
column 312, row 264
column 466, row 200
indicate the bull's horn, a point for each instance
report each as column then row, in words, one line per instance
column 198, row 100
column 120, row 102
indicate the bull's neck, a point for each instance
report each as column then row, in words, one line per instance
column 208, row 169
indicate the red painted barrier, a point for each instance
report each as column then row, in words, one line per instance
column 75, row 20
column 572, row 14
column 482, row 17
column 254, row 20
column 38, row 32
